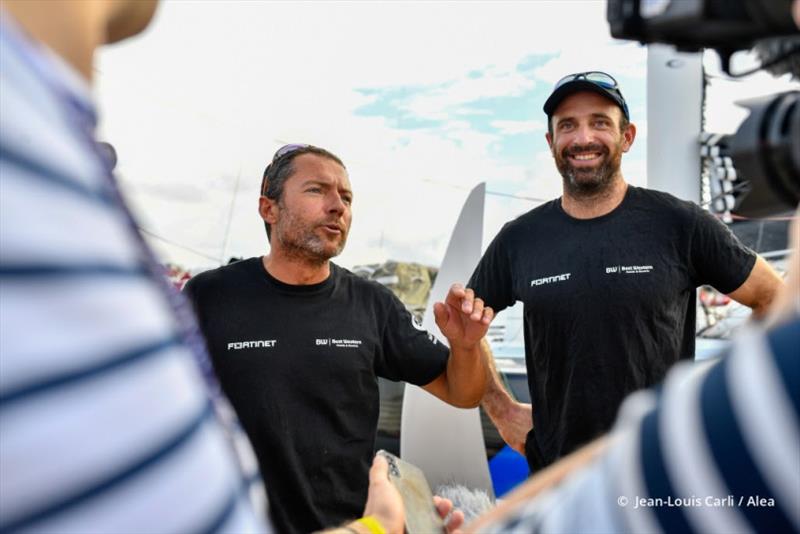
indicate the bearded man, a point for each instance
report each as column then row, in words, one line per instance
column 297, row 343
column 607, row 275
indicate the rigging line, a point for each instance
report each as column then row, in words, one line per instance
column 184, row 247
column 743, row 218
column 226, row 236
column 735, row 189
column 493, row 193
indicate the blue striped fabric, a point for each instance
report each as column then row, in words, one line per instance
column 715, row 450
column 106, row 424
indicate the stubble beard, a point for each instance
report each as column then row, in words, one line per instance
column 591, row 181
column 299, row 240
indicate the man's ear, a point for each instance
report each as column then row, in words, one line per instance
column 628, row 136
column 549, row 140
column 268, row 209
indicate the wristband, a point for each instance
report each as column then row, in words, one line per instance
column 372, row 525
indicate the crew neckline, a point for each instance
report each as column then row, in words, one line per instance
column 303, row 289
column 611, row 214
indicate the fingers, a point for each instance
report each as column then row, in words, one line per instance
column 477, row 309
column 488, row 315
column 440, row 314
column 455, row 522
column 464, row 299
column 481, row 313
column 445, row 507
column 468, row 301
column 379, row 470
column 455, row 295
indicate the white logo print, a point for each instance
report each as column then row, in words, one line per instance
column 629, row 269
column 416, row 324
column 264, row 343
column 339, row 343
column 550, row 279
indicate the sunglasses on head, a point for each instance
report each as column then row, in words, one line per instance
column 287, row 149
column 281, row 152
column 595, row 76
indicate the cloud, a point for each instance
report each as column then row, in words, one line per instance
column 518, row 127
column 189, row 114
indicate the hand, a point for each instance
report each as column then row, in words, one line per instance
column 516, row 424
column 462, row 318
column 384, row 502
column 444, row 507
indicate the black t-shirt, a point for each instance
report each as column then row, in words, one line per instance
column 299, row 365
column 609, row 304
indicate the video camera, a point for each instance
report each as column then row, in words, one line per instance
column 756, row 171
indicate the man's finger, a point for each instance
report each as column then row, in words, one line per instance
column 443, row 506
column 488, row 315
column 440, row 314
column 477, row 310
column 455, row 522
column 467, row 301
column 457, row 291
column 379, row 470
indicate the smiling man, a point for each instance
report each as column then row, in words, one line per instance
column 298, row 342
column 607, row 275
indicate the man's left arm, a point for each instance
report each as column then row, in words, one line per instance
column 760, row 288
column 464, row 321
column 721, row 260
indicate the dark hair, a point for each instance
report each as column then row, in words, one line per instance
column 282, row 168
column 623, row 122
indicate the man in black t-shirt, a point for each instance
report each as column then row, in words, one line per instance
column 607, row 276
column 297, row 343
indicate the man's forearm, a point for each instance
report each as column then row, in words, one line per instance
column 511, row 418
column 497, row 400
column 467, row 376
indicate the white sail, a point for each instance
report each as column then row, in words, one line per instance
column 447, row 442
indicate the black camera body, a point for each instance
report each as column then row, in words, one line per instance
column 691, row 25
column 758, row 166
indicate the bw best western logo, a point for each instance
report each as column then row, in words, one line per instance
column 629, row 269
column 338, row 343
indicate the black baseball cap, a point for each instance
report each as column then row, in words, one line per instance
column 594, row 81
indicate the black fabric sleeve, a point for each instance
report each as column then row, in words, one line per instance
column 718, row 258
column 408, row 353
column 491, row 279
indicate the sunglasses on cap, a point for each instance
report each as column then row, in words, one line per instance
column 597, row 81
column 595, row 76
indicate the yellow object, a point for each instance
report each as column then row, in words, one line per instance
column 372, row 524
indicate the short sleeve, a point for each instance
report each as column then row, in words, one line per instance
column 408, row 352
column 718, row 258
column 491, row 279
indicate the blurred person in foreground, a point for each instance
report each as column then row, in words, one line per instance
column 298, row 343
column 106, row 424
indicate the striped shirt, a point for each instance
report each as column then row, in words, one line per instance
column 105, row 422
column 716, row 449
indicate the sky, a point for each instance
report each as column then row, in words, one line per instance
column 421, row 100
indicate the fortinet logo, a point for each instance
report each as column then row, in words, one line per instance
column 550, row 279
column 264, row 343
